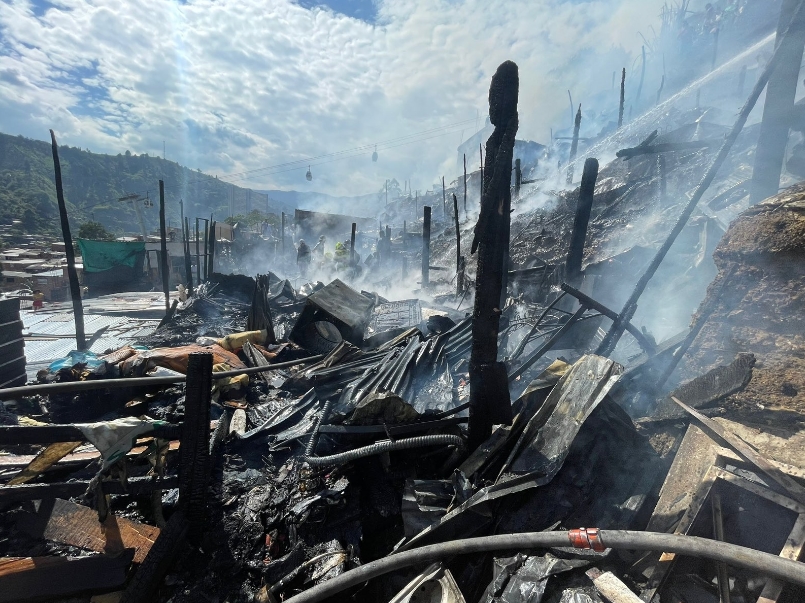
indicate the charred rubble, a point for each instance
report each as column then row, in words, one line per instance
column 322, row 442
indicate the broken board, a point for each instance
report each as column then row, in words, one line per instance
column 76, row 525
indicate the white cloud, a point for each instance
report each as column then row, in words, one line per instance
column 236, row 85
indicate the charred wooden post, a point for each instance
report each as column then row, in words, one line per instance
column 623, row 98
column 574, row 146
column 582, row 220
column 426, row 247
column 459, row 258
column 72, row 275
column 352, row 245
column 206, row 248
column 780, row 52
column 489, row 392
column 163, row 249
column 188, row 267
column 194, row 459
column 518, row 178
column 405, row 235
column 198, row 255
column 779, row 105
column 465, row 185
column 212, row 249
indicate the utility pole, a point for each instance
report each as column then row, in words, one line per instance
column 72, row 275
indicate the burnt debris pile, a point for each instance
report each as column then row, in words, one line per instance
column 593, row 394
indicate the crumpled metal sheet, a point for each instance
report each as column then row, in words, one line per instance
column 523, row 579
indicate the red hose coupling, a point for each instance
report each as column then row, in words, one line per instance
column 586, row 538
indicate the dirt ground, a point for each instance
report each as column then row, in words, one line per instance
column 758, row 306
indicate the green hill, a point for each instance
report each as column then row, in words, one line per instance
column 93, row 183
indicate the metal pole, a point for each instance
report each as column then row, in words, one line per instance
column 72, row 275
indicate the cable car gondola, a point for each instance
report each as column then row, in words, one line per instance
column 309, row 176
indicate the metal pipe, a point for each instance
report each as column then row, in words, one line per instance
column 383, row 446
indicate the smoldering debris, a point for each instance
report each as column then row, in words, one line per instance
column 304, row 434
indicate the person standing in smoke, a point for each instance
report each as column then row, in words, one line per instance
column 318, row 250
column 303, row 257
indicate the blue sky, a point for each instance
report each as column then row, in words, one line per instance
column 236, row 86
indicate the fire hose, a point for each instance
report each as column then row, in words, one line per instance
column 590, row 538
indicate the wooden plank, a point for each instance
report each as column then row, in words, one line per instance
column 796, row 491
column 134, row 486
column 792, row 550
column 45, row 459
column 611, row 587
column 69, row 523
column 37, row 578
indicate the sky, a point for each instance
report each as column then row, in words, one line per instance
column 255, row 91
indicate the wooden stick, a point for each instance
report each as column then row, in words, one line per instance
column 72, row 275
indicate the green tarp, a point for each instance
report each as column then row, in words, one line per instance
column 100, row 256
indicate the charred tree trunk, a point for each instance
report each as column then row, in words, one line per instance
column 163, row 248
column 489, row 392
column 623, row 98
column 582, row 220
column 518, row 178
column 779, row 105
column 72, row 275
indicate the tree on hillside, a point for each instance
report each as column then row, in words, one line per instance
column 94, row 231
